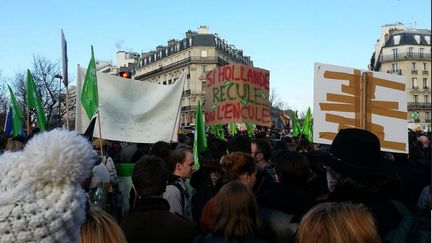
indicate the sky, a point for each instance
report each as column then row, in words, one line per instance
column 285, row 37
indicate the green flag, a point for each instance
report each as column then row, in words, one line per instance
column 200, row 141
column 296, row 131
column 232, row 128
column 89, row 95
column 17, row 116
column 307, row 126
column 218, row 131
column 33, row 101
column 249, row 129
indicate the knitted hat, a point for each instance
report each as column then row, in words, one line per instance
column 41, row 199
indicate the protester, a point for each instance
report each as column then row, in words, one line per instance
column 150, row 219
column 361, row 175
column 207, row 181
column 236, row 217
column 181, row 166
column 237, row 166
column 161, row 149
column 261, row 151
column 291, row 194
column 41, row 199
column 100, row 226
column 338, row 223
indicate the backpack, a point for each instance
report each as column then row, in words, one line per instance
column 413, row 227
column 174, row 181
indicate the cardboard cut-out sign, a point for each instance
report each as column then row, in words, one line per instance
column 237, row 93
column 347, row 97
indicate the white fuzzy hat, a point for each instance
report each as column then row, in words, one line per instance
column 41, row 199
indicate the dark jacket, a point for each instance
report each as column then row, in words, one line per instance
column 386, row 215
column 289, row 198
column 219, row 238
column 150, row 221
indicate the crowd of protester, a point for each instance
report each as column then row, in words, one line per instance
column 268, row 188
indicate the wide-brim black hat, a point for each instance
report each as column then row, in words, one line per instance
column 357, row 152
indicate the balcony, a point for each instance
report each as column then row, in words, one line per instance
column 399, row 71
column 428, row 120
column 188, row 108
column 187, row 92
column 414, row 71
column 425, row 72
column 419, row 105
column 405, row 56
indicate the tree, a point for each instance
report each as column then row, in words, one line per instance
column 4, row 101
column 276, row 102
column 44, row 73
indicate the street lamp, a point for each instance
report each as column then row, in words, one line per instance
column 59, row 98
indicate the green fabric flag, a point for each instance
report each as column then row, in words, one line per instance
column 200, row 140
column 232, row 128
column 218, row 131
column 89, row 95
column 296, row 131
column 307, row 126
column 17, row 115
column 33, row 101
column 249, row 129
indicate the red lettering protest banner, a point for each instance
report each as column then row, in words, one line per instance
column 237, row 93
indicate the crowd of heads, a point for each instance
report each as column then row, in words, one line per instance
column 338, row 193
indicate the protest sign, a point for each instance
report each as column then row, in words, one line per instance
column 347, row 97
column 237, row 93
column 132, row 110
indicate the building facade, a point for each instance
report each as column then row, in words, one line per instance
column 407, row 52
column 195, row 54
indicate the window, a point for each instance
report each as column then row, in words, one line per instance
column 394, row 67
column 427, row 116
column 396, row 39
column 414, row 83
column 395, row 53
column 413, row 66
column 421, row 52
column 426, row 98
column 427, row 38
column 425, row 86
column 417, row 38
column 188, row 85
column 203, row 68
column 415, row 98
column 424, row 66
column 410, row 51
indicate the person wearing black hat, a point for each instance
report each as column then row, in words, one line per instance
column 357, row 172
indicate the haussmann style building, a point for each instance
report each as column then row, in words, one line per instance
column 195, row 54
column 407, row 51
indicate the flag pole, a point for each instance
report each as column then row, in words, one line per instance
column 67, row 107
column 178, row 112
column 100, row 131
column 28, row 121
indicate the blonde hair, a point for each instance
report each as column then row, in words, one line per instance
column 338, row 223
column 100, row 227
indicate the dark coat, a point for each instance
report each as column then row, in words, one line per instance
column 219, row 238
column 289, row 198
column 150, row 221
column 386, row 215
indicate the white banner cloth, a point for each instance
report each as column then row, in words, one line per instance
column 132, row 110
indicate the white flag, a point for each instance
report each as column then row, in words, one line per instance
column 134, row 111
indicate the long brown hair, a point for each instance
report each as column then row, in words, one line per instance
column 100, row 227
column 236, row 215
column 338, row 223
